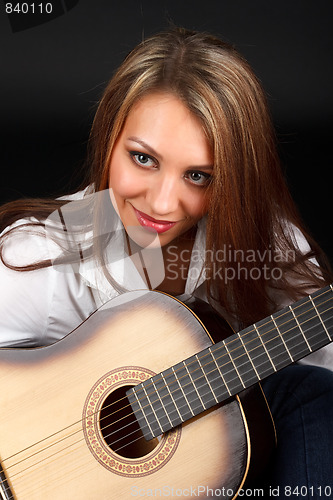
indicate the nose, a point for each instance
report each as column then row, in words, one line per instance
column 163, row 195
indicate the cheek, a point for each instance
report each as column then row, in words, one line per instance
column 196, row 205
column 122, row 181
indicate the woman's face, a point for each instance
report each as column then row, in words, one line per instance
column 160, row 169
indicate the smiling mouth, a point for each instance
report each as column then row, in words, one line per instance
column 158, row 226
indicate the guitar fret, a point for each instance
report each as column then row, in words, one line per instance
column 199, row 397
column 143, row 413
column 274, row 344
column 244, row 371
column 320, row 319
column 324, row 303
column 249, row 357
column 240, row 378
column 312, row 322
column 224, row 361
column 282, row 339
column 291, row 334
column 162, row 404
column 160, row 415
column 181, row 388
column 301, row 330
column 210, row 387
column 187, row 390
column 224, row 369
column 221, row 374
column 156, row 419
column 270, row 359
column 172, row 399
column 256, row 352
column 212, row 373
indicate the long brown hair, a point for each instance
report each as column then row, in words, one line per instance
column 250, row 208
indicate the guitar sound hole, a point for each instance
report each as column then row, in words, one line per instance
column 120, row 428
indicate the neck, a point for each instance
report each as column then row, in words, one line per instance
column 230, row 366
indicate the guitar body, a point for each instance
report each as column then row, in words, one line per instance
column 63, row 434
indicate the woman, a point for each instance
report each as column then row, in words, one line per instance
column 184, row 178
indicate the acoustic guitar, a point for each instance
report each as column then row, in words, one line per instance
column 140, row 401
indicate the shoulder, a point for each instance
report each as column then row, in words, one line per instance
column 30, row 240
column 26, row 242
column 42, row 305
column 24, row 296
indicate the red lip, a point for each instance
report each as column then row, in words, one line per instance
column 160, row 226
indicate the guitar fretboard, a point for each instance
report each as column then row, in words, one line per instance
column 228, row 367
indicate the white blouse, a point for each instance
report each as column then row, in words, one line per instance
column 42, row 306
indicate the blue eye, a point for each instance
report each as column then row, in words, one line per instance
column 142, row 159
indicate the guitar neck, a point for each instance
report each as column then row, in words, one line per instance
column 228, row 367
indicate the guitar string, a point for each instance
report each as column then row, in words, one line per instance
column 237, row 378
column 194, row 380
column 118, row 448
column 228, row 344
column 245, row 334
column 62, row 451
column 127, row 425
column 271, row 339
column 231, row 351
column 79, row 464
column 225, row 354
column 72, row 434
column 133, row 422
column 37, row 482
column 129, row 405
column 123, row 398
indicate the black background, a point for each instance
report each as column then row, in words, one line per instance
column 53, row 73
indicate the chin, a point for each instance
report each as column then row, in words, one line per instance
column 143, row 238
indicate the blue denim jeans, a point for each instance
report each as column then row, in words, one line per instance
column 301, row 402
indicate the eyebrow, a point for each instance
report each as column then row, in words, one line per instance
column 145, row 145
column 152, row 151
